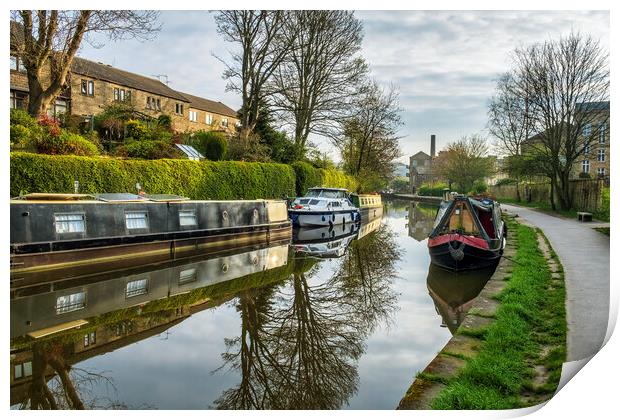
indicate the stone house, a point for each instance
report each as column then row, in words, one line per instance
column 596, row 156
column 91, row 86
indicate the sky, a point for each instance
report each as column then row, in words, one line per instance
column 444, row 63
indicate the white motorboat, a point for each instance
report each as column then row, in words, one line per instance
column 323, row 207
column 324, row 242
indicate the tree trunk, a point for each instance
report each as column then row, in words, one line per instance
column 552, row 195
column 518, row 193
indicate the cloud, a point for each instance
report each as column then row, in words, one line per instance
column 443, row 62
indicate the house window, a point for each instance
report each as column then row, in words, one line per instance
column 22, row 370
column 17, row 64
column 116, row 96
column 90, row 339
column 187, row 218
column 600, row 172
column 136, row 288
column 224, row 122
column 209, row 119
column 148, row 102
column 600, row 156
column 586, row 148
column 69, row 223
column 158, row 105
column 70, row 303
column 179, row 109
column 128, row 96
column 18, row 100
column 13, row 63
column 193, row 116
column 58, row 109
column 587, row 130
column 136, row 220
column 187, row 276
column 601, row 133
column 122, row 94
column 87, row 87
column 585, row 166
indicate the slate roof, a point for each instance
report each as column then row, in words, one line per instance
column 209, row 106
column 111, row 74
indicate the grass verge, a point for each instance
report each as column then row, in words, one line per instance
column 522, row 352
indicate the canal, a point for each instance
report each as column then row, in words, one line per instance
column 341, row 318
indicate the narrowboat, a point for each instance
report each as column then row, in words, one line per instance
column 467, row 234
column 370, row 205
column 323, row 207
column 324, row 242
column 90, row 233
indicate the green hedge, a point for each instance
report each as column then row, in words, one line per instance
column 307, row 176
column 203, row 180
column 432, row 191
column 198, row 180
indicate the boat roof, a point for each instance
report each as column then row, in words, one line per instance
column 105, row 197
column 327, row 188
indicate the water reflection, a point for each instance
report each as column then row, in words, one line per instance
column 300, row 343
column 301, row 332
column 421, row 220
column 454, row 292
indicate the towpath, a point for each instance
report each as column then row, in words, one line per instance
column 584, row 254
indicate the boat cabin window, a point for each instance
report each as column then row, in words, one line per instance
column 187, row 276
column 69, row 223
column 136, row 220
column 187, row 218
column 304, row 201
column 136, row 288
column 336, row 204
column 70, row 303
column 326, row 194
column 314, row 202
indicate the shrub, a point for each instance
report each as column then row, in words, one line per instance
column 136, row 129
column 307, row 176
column 74, row 144
column 165, row 121
column 212, row 144
column 435, row 190
column 20, row 136
column 603, row 212
column 149, row 149
column 21, row 117
column 505, row 181
column 199, row 180
column 479, row 187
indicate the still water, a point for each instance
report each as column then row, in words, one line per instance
column 340, row 318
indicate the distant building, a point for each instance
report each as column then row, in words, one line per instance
column 400, row 170
column 596, row 157
column 498, row 171
column 421, row 167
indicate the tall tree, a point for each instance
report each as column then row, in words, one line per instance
column 262, row 45
column 368, row 142
column 564, row 83
column 464, row 162
column 53, row 37
column 319, row 77
column 509, row 124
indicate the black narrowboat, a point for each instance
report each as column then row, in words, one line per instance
column 92, row 233
column 468, row 234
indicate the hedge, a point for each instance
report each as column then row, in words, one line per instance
column 198, row 180
column 307, row 176
column 222, row 180
column 432, row 191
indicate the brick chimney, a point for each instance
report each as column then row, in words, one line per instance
column 432, row 146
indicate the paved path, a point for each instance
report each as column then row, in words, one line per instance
column 584, row 253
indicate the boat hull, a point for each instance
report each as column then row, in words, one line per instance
column 323, row 218
column 459, row 255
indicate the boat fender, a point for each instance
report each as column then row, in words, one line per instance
column 457, row 254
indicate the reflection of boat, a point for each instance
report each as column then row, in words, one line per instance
column 468, row 234
column 90, row 233
column 55, row 306
column 324, row 242
column 454, row 293
column 323, row 207
column 369, row 227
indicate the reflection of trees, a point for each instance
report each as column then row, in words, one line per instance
column 66, row 388
column 300, row 341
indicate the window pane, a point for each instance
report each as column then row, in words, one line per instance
column 13, row 63
column 69, row 223
column 137, row 288
column 187, row 218
column 19, row 373
column 136, row 220
column 187, row 276
column 71, row 302
column 83, row 87
column 93, row 337
column 91, row 87
column 86, row 340
column 28, row 369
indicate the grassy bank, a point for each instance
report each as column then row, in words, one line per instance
column 602, row 214
column 521, row 354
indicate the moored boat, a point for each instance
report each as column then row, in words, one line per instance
column 467, row 234
column 324, row 242
column 370, row 205
column 323, row 207
column 87, row 233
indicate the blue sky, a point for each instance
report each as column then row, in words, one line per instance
column 443, row 62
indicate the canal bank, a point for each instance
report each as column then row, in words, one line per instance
column 509, row 349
